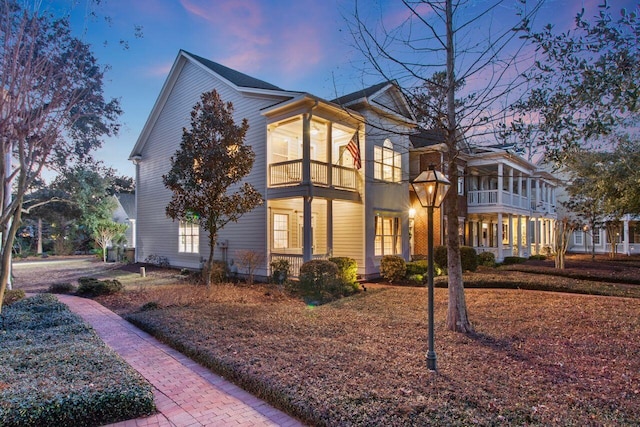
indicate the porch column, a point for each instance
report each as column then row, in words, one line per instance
column 329, row 227
column 528, row 194
column 511, row 233
column 537, row 199
column 329, row 143
column 519, row 234
column 511, row 192
column 625, row 230
column 520, row 192
column 500, row 182
column 307, row 238
column 499, row 237
column 527, row 237
column 536, row 234
column 480, row 236
column 306, row 152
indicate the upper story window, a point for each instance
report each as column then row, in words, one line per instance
column 387, row 163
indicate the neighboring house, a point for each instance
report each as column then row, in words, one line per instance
column 125, row 213
column 627, row 238
column 506, row 204
column 321, row 200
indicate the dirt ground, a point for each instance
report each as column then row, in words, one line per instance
column 37, row 274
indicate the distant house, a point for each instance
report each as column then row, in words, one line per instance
column 506, row 204
column 333, row 173
column 125, row 213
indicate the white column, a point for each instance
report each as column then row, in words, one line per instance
column 330, row 227
column 625, row 242
column 500, row 182
column 307, row 238
column 511, row 233
column 499, row 237
column 519, row 235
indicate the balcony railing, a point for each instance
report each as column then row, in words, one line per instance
column 490, row 197
column 295, row 261
column 290, row 173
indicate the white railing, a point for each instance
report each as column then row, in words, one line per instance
column 295, row 261
column 290, row 173
column 482, row 197
column 490, row 197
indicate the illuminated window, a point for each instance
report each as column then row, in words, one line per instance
column 188, row 237
column 280, row 231
column 387, row 163
column 387, row 239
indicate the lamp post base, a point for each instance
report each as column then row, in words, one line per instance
column 431, row 360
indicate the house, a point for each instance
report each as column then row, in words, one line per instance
column 125, row 213
column 333, row 173
column 627, row 238
column 507, row 204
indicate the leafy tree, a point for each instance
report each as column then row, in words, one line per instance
column 52, row 108
column 585, row 81
column 105, row 232
column 440, row 46
column 207, row 169
column 563, row 229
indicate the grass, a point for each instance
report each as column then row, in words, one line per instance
column 536, row 358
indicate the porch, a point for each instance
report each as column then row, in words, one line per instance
column 323, row 174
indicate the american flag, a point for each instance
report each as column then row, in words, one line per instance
column 354, row 148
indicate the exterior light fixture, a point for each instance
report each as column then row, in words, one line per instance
column 431, row 187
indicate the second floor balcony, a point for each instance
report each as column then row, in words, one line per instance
column 495, row 198
column 323, row 174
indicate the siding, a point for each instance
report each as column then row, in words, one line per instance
column 157, row 234
column 348, row 230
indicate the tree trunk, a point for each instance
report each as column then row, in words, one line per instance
column 5, row 252
column 457, row 319
column 209, row 269
column 39, row 248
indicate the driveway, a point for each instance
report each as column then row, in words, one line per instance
column 36, row 275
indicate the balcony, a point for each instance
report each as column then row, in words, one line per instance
column 480, row 198
column 289, row 173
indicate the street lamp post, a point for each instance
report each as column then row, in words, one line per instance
column 431, row 187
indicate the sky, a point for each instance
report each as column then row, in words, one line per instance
column 302, row 45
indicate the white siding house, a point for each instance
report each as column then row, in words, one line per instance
column 318, row 202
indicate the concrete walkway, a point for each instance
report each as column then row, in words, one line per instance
column 186, row 394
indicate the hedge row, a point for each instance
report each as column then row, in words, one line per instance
column 57, row 372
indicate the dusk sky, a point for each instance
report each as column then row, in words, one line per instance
column 302, row 45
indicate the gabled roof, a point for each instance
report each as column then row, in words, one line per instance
column 234, row 76
column 385, row 97
column 360, row 94
column 128, row 203
column 427, row 138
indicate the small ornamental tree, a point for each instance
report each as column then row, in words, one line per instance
column 211, row 159
column 105, row 232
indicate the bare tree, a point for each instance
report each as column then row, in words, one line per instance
column 445, row 47
column 51, row 107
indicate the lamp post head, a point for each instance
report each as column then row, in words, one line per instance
column 431, row 187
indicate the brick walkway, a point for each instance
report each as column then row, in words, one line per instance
column 186, row 394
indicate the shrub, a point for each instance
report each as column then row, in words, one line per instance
column 393, row 268
column 417, row 267
column 219, row 272
column 416, row 280
column 91, row 287
column 347, row 269
column 510, row 260
column 151, row 305
column 62, row 288
column 488, row 259
column 440, row 256
column 249, row 261
column 158, row 261
column 468, row 258
column 539, row 257
column 49, row 376
column 320, row 282
column 280, row 270
column 12, row 296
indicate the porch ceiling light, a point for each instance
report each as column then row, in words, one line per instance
column 431, row 187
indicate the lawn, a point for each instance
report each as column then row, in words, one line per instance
column 536, row 358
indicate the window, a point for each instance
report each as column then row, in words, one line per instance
column 461, row 185
column 280, row 231
column 577, row 237
column 596, row 236
column 188, row 237
column 387, row 163
column 387, row 239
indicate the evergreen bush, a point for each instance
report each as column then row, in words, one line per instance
column 393, row 268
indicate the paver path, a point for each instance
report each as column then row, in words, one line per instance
column 186, row 394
